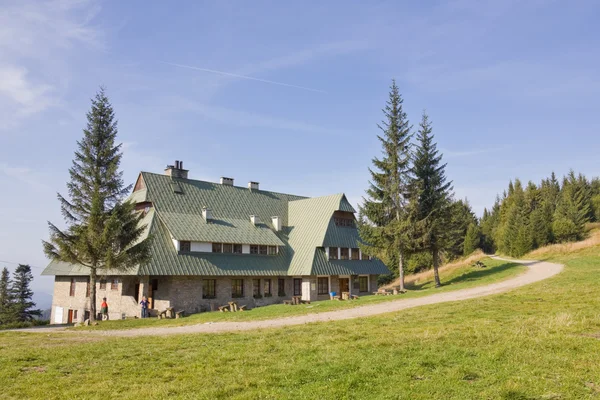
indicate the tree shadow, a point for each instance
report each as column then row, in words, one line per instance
column 473, row 275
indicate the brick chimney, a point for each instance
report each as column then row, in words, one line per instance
column 226, row 181
column 176, row 171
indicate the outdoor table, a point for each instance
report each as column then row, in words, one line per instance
column 296, row 300
column 345, row 295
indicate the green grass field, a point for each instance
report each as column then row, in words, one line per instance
column 460, row 278
column 538, row 342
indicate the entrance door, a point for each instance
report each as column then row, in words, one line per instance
column 152, row 287
column 72, row 316
column 136, row 293
column 297, row 287
column 344, row 285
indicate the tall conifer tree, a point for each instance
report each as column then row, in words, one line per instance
column 103, row 232
column 386, row 208
column 433, row 193
column 6, row 300
column 23, row 307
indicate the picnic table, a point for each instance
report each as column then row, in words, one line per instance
column 382, row 292
column 296, row 300
column 345, row 295
column 232, row 306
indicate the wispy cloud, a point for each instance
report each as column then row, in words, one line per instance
column 246, row 119
column 251, row 78
column 35, row 40
column 304, row 56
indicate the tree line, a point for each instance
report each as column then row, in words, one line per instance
column 16, row 305
column 409, row 217
column 525, row 218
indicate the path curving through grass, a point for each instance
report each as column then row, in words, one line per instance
column 536, row 271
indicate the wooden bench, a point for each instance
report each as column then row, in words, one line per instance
column 179, row 314
column 354, row 297
column 224, row 308
column 162, row 314
column 242, row 308
column 288, row 302
column 304, row 301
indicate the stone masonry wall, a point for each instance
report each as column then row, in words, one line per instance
column 119, row 301
column 179, row 292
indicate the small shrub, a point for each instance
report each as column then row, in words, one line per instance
column 20, row 325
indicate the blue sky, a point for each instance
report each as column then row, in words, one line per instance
column 290, row 94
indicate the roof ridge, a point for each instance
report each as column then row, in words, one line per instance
column 235, row 187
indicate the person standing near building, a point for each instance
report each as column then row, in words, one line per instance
column 144, row 304
column 104, row 309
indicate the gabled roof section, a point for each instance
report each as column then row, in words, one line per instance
column 308, row 223
column 226, row 202
column 166, row 260
column 345, row 205
column 339, row 236
column 323, row 266
column 193, row 227
column 63, row 268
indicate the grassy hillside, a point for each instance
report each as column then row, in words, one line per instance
column 537, row 342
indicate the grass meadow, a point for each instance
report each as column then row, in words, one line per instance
column 541, row 341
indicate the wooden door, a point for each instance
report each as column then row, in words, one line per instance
column 70, row 317
column 297, row 287
column 344, row 285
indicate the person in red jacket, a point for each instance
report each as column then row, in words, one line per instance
column 104, row 309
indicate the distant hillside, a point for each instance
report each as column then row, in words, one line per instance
column 42, row 300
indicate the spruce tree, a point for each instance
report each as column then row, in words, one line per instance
column 386, row 210
column 103, row 232
column 433, row 193
column 23, row 307
column 472, row 239
column 6, row 299
column 573, row 210
column 461, row 217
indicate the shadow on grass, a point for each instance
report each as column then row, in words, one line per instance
column 473, row 275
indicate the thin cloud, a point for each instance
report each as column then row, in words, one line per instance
column 251, row 78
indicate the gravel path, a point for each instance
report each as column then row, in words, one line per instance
column 537, row 271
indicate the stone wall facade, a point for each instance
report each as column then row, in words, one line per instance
column 180, row 292
column 121, row 300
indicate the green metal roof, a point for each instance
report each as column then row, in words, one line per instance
column 323, row 266
column 193, row 227
column 224, row 201
column 167, row 261
column 309, row 220
column 63, row 268
column 177, row 213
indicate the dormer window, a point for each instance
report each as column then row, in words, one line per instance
column 333, row 253
column 185, row 246
column 344, row 222
column 344, row 253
